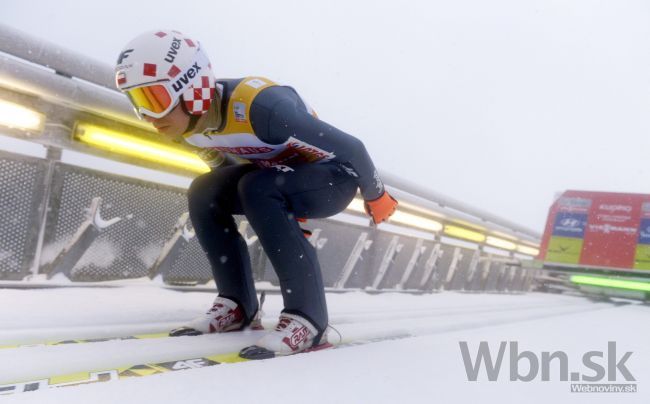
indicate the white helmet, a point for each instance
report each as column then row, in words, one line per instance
column 157, row 68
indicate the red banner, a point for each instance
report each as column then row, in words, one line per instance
column 598, row 229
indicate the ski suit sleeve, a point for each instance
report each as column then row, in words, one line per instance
column 278, row 113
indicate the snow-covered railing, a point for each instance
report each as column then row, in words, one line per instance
column 70, row 95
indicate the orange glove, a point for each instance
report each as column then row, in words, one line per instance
column 381, row 208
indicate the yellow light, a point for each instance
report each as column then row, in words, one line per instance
column 470, row 225
column 504, row 235
column 401, row 217
column 500, row 243
column 133, row 146
column 530, row 244
column 416, row 208
column 528, row 250
column 459, row 232
column 415, row 221
column 17, row 116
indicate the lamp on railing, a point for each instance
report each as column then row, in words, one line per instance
column 458, row 232
column 133, row 146
column 400, row 217
column 416, row 221
column 528, row 250
column 17, row 116
column 464, row 234
column 500, row 243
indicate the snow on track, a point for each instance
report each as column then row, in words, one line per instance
column 420, row 368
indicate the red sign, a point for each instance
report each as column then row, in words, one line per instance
column 597, row 229
column 612, row 231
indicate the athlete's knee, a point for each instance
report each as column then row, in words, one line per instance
column 204, row 192
column 254, row 186
column 198, row 184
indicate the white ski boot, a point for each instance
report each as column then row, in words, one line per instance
column 293, row 334
column 225, row 315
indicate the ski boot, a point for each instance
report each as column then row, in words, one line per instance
column 293, row 334
column 225, row 315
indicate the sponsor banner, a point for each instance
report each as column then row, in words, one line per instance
column 612, row 232
column 645, row 210
column 644, row 232
column 642, row 257
column 608, row 230
column 574, row 204
column 570, row 224
column 565, row 250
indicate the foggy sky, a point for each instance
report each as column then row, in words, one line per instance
column 497, row 103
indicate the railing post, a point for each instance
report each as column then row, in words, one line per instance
column 453, row 266
column 361, row 245
column 418, row 251
column 86, row 234
column 431, row 267
column 172, row 248
column 386, row 263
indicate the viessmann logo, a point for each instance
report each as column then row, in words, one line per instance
column 599, row 366
column 608, row 228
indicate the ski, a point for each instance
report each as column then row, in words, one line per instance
column 149, row 369
column 117, row 338
column 88, row 340
column 159, row 335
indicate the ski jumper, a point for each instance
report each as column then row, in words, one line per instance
column 297, row 167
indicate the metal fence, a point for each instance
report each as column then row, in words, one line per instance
column 21, row 200
column 138, row 245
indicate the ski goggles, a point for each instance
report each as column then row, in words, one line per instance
column 158, row 98
column 154, row 100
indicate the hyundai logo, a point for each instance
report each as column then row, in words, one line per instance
column 569, row 222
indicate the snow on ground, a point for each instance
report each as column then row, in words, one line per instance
column 426, row 367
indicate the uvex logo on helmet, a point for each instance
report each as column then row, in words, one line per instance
column 173, row 50
column 186, row 77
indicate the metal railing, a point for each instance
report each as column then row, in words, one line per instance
column 68, row 87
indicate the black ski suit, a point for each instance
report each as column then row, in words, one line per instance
column 301, row 168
